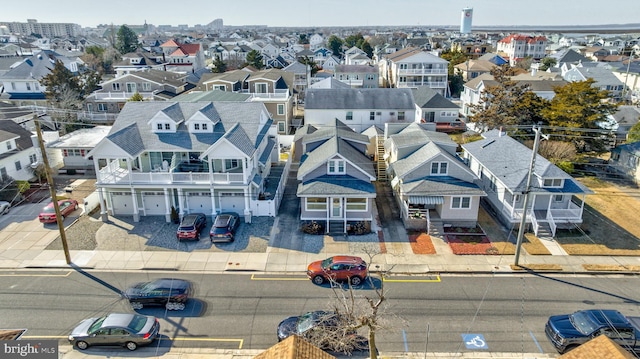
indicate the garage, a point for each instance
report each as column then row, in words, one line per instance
column 232, row 202
column 121, row 203
column 154, row 203
column 199, row 202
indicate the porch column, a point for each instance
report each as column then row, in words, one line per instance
column 581, row 205
column 328, row 213
column 129, row 170
column 549, row 207
column 103, row 205
column 180, row 202
column 344, row 214
column 214, row 211
column 167, row 205
column 136, row 215
column 96, row 168
column 244, row 171
column 513, row 205
column 247, row 206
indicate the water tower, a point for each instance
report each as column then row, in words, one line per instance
column 465, row 20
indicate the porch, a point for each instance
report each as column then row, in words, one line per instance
column 118, row 175
column 547, row 219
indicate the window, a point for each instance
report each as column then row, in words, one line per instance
column 102, row 107
column 371, row 77
column 356, row 204
column 219, row 87
column 231, row 163
column 9, row 145
column 33, row 158
column 196, row 126
column 28, row 86
column 261, row 88
column 558, row 198
column 460, row 202
column 115, row 86
column 159, row 126
column 3, row 173
column 13, row 85
column 400, row 115
column 146, row 86
column 18, row 166
column 403, row 66
column 90, row 107
column 131, row 87
column 316, row 204
column 167, row 126
column 439, row 168
column 281, row 126
column 552, row 182
column 372, row 116
column 280, row 109
column 204, row 127
column 349, row 115
column 336, row 167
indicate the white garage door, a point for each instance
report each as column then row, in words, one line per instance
column 232, row 202
column 199, row 202
column 121, row 203
column 154, row 203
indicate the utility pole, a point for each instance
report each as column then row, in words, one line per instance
column 52, row 189
column 523, row 220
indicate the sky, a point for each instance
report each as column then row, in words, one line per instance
column 305, row 13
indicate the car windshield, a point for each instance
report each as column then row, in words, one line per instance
column 48, row 209
column 583, row 322
column 306, row 322
column 96, row 325
column 221, row 221
column 137, row 323
column 327, row 262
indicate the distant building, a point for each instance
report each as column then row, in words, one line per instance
column 44, row 29
column 465, row 20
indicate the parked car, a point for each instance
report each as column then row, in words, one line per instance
column 191, row 226
column 568, row 331
column 169, row 292
column 67, row 206
column 323, row 329
column 4, row 207
column 338, row 268
column 224, row 227
column 116, row 329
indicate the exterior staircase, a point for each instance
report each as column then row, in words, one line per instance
column 381, row 166
column 544, row 230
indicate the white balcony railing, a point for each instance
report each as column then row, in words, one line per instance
column 122, row 176
column 421, row 71
column 121, row 95
column 432, row 84
column 278, row 94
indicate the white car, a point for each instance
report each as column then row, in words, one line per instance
column 4, row 207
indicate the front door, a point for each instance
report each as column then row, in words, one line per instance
column 336, row 208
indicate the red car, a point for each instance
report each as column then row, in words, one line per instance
column 338, row 268
column 67, row 206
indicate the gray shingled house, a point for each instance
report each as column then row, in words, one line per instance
column 336, row 177
column 502, row 164
column 207, row 157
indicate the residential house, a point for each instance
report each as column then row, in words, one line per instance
column 139, row 60
column 336, row 179
column 357, row 76
column 73, row 148
column 603, row 77
column 568, row 56
column 17, row 152
column 273, row 87
column 359, row 108
column 356, row 56
column 516, row 47
column 471, row 69
column 412, row 67
column 432, row 107
column 315, row 41
column 430, row 183
column 206, row 157
column 152, row 85
column 320, row 55
column 621, row 122
column 629, row 73
column 329, row 83
column 494, row 58
column 22, row 81
column 182, row 57
column 330, row 63
column 625, row 160
column 471, row 48
column 556, row 200
column 301, row 77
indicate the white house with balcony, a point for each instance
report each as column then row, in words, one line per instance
column 516, row 47
column 413, row 67
column 206, row 157
column 502, row 165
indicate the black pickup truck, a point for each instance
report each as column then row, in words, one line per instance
column 568, row 331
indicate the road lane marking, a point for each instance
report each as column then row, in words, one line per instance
column 536, row 341
column 254, row 277
column 432, row 279
column 37, row 275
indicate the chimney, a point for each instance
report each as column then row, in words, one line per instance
column 500, row 132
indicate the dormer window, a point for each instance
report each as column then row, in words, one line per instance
column 167, row 126
column 205, row 127
column 439, row 168
column 196, row 126
column 159, row 126
column 336, row 167
column 552, row 182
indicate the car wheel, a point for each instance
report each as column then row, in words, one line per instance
column 131, row 346
column 136, row 305
column 356, row 280
column 318, row 279
column 82, row 345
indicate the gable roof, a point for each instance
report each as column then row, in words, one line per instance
column 508, row 160
column 335, row 128
column 359, row 98
column 626, row 115
column 157, row 76
column 213, row 95
column 414, row 134
column 10, row 129
column 294, row 347
column 335, row 146
column 426, row 97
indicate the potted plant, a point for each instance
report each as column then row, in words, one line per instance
column 174, row 215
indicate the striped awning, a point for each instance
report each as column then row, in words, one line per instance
column 426, row 200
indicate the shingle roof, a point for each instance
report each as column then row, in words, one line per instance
column 426, row 97
column 336, row 185
column 213, row 95
column 335, row 146
column 441, row 185
column 508, row 160
column 359, row 98
column 414, row 134
column 294, row 347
